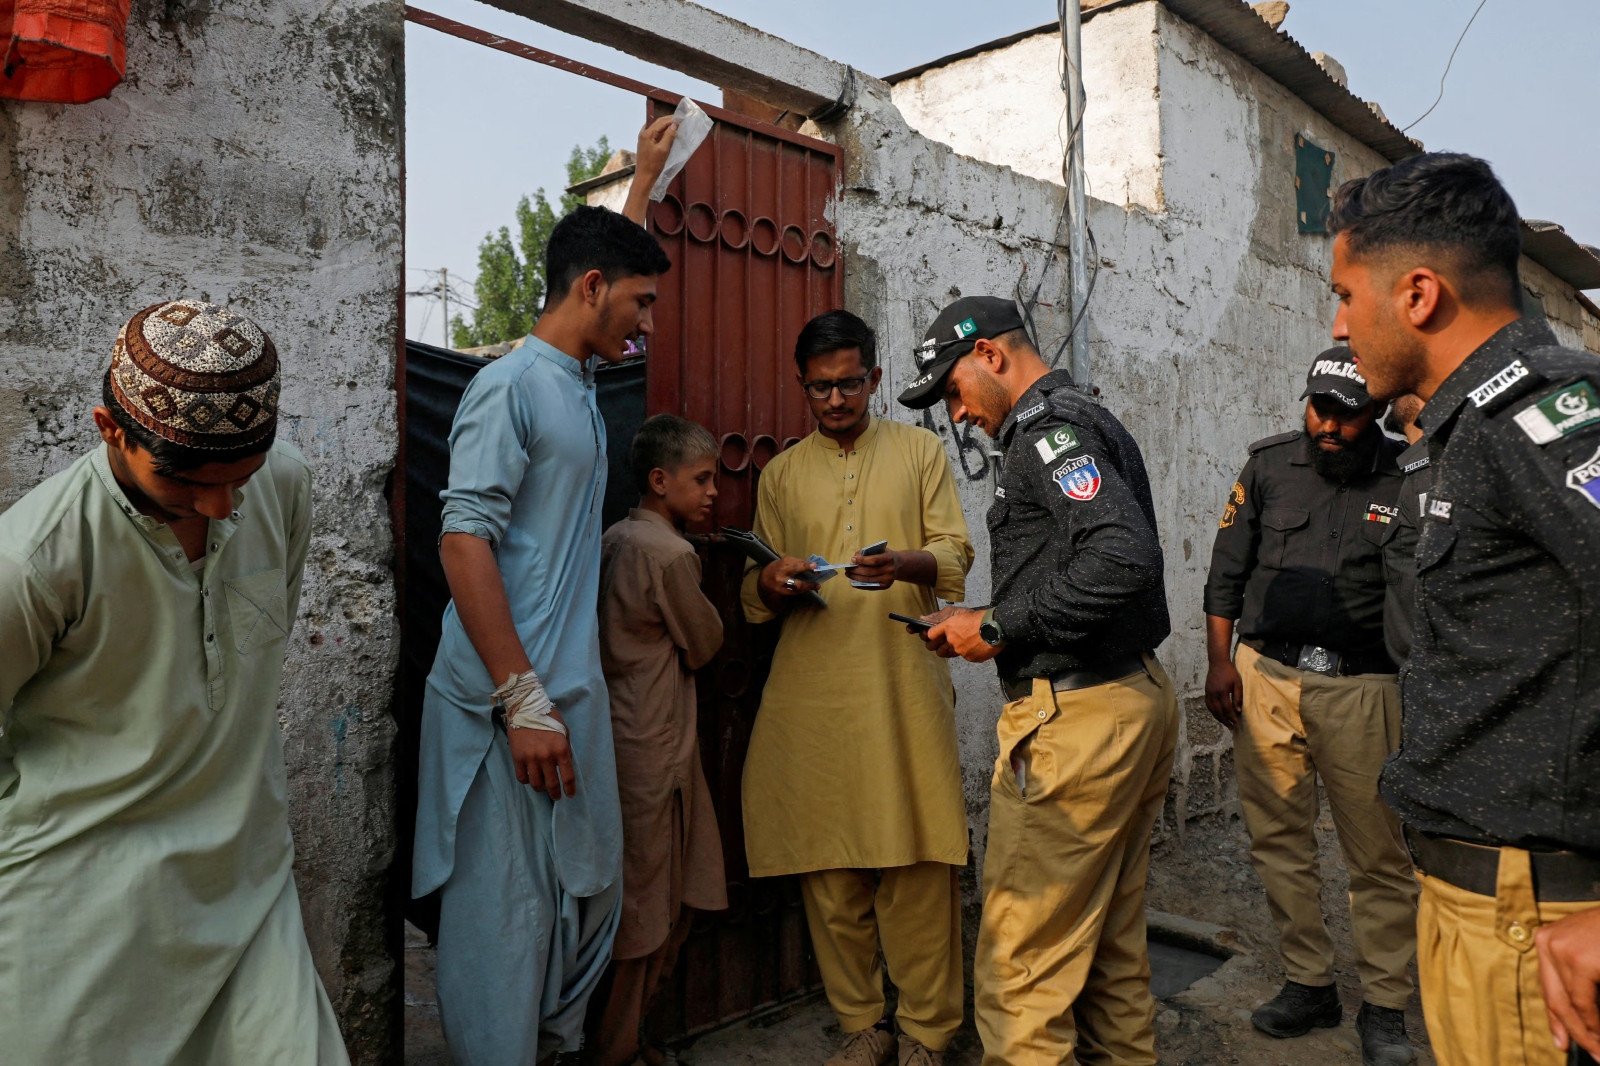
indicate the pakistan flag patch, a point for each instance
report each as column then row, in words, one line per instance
column 1056, row 442
column 1561, row 413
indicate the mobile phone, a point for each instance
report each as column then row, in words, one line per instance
column 914, row 623
column 1576, row 1056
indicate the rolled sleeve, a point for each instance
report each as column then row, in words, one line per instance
column 489, row 445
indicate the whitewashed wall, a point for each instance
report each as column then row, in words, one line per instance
column 251, row 157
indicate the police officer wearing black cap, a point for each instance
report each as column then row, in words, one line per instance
column 1311, row 690
column 1498, row 774
column 1086, row 742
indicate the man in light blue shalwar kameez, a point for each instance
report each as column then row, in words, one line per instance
column 519, row 828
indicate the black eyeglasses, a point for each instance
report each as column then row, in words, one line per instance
column 821, row 390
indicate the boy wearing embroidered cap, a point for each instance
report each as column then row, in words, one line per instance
column 1086, row 742
column 146, row 594
column 1310, row 691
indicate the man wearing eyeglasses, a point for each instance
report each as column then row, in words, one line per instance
column 1086, row 743
column 852, row 778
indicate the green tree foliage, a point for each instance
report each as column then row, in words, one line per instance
column 511, row 283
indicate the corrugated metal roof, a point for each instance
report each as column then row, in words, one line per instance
column 1553, row 248
column 1235, row 25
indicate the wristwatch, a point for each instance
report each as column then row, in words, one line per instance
column 989, row 629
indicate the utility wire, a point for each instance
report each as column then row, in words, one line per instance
column 1073, row 144
column 1447, row 64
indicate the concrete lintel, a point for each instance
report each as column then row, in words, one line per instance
column 701, row 43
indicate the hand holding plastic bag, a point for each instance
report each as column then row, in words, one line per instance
column 693, row 126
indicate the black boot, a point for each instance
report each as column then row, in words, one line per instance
column 1297, row 1010
column 1383, row 1036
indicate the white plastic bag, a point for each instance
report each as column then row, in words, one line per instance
column 694, row 126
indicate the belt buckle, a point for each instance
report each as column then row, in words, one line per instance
column 1319, row 660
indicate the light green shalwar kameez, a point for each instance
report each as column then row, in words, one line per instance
column 147, row 913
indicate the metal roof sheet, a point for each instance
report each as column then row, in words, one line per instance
column 1235, row 25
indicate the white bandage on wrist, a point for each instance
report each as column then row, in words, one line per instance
column 526, row 704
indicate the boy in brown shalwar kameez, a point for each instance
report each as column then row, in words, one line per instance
column 656, row 629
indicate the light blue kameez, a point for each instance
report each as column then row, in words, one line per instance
column 531, row 888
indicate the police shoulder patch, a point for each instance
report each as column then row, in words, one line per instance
column 1230, row 511
column 1584, row 478
column 1079, row 478
column 1560, row 414
column 1056, row 443
column 1036, row 409
column 1508, row 376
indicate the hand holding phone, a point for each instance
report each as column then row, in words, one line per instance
column 920, row 625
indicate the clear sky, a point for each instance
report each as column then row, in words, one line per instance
column 483, row 128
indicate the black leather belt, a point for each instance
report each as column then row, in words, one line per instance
column 1320, row 660
column 1558, row 876
column 1071, row 680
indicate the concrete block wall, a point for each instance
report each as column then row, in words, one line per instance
column 251, row 156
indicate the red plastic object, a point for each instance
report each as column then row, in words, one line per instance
column 62, row 51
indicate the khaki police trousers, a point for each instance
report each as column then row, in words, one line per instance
column 913, row 915
column 1481, row 996
column 1297, row 725
column 1063, row 968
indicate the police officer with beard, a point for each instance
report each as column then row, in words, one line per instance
column 1311, row 691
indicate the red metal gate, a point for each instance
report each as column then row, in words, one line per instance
column 748, row 226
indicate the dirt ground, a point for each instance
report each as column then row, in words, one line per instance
column 1204, row 880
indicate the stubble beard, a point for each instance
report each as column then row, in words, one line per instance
column 996, row 403
column 1393, row 364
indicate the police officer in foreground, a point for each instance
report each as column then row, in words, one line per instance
column 1311, row 692
column 1086, row 742
column 1498, row 775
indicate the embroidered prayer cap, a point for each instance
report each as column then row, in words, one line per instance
column 1334, row 373
column 198, row 374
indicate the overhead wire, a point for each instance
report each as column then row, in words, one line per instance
column 1447, row 65
column 1073, row 143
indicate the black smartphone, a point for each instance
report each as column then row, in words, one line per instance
column 914, row 623
column 1576, row 1056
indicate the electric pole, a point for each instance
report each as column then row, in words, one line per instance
column 444, row 294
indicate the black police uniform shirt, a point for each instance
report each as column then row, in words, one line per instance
column 1298, row 557
column 1077, row 567
column 1400, row 550
column 1501, row 694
